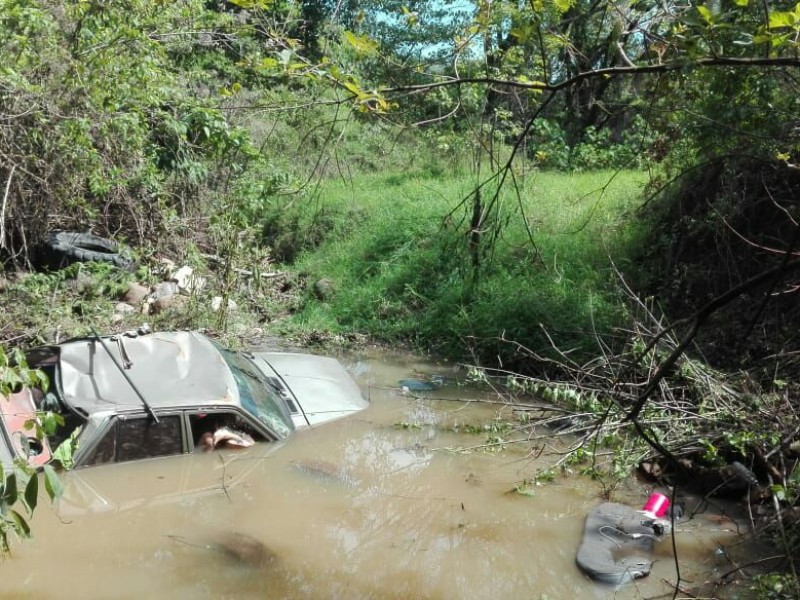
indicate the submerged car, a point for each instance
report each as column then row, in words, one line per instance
column 132, row 396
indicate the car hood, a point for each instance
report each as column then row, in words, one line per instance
column 319, row 384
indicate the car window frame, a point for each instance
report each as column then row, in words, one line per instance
column 86, row 452
column 87, row 448
column 257, row 427
column 253, row 374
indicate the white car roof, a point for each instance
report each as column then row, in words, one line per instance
column 170, row 369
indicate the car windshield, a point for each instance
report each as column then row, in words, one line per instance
column 258, row 397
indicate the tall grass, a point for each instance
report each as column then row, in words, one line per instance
column 395, row 252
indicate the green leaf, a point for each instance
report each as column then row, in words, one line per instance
column 779, row 491
column 410, row 16
column 269, row 63
column 10, row 489
column 32, row 493
column 741, row 2
column 251, row 4
column 780, row 19
column 353, row 88
column 51, row 421
column 10, row 381
column 522, row 33
column 361, row 44
column 794, row 478
column 563, row 5
column 21, row 525
column 706, row 14
column 52, row 483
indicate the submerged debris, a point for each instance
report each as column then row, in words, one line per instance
column 245, row 549
column 242, row 548
column 324, row 471
column 422, row 384
column 612, row 530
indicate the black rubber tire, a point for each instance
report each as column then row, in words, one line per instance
column 67, row 247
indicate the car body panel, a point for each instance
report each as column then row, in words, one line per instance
column 170, row 369
column 158, row 481
column 320, row 385
column 100, row 383
column 16, row 410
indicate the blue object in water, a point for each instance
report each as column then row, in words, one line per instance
column 417, row 385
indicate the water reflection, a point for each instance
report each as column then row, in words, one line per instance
column 382, row 505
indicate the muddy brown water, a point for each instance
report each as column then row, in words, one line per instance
column 399, row 501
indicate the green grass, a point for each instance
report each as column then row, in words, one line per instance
column 395, row 249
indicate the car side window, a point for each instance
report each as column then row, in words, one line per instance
column 135, row 438
column 227, row 426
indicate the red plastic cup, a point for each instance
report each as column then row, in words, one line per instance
column 656, row 506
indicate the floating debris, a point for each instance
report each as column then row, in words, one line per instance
column 245, row 549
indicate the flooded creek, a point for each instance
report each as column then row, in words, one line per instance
column 404, row 500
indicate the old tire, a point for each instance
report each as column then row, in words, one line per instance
column 66, row 247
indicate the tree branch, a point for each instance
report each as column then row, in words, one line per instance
column 677, row 65
column 697, row 321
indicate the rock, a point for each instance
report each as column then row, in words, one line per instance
column 744, row 474
column 245, row 549
column 216, row 304
column 165, row 268
column 794, row 448
column 162, row 297
column 82, row 283
column 135, row 294
column 165, row 289
column 323, row 289
column 162, row 303
column 124, row 309
column 651, row 470
column 188, row 282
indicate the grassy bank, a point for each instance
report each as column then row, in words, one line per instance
column 390, row 256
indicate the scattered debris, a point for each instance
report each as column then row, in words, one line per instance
column 246, row 550
column 324, row 471
column 188, row 282
column 216, row 304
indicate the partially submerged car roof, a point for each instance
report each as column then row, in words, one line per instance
column 170, row 369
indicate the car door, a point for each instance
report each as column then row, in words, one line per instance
column 120, row 478
column 136, row 437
